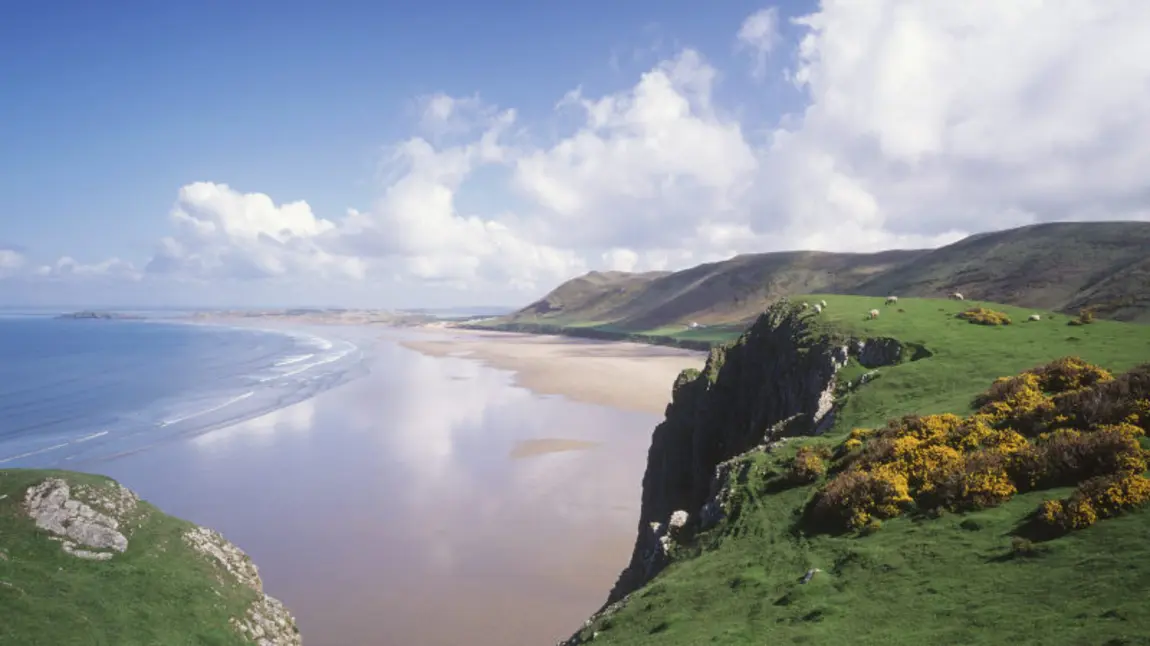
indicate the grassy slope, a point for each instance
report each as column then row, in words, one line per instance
column 158, row 592
column 944, row 581
column 1062, row 266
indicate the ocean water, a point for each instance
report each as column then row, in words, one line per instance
column 76, row 392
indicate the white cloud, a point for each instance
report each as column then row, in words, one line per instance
column 417, row 226
column 10, row 262
column 647, row 165
column 759, row 35
column 932, row 117
column 222, row 233
column 67, row 267
column 442, row 114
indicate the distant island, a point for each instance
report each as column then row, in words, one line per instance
column 103, row 316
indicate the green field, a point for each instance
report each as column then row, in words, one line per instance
column 158, row 592
column 952, row 579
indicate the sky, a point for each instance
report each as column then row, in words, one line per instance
column 401, row 154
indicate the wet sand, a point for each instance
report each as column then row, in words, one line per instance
column 626, row 376
column 431, row 502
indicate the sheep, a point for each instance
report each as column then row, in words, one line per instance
column 874, row 314
column 804, row 305
column 956, row 296
column 823, row 303
column 818, row 308
column 890, row 300
column 1034, row 317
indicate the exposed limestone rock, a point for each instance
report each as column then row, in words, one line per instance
column 728, row 474
column 231, row 558
column 51, row 506
column 267, row 622
column 606, row 611
column 678, row 523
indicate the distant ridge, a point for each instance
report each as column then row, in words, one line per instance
column 1056, row 266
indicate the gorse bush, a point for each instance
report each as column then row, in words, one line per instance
column 1061, row 424
column 984, row 316
column 809, row 464
column 1097, row 498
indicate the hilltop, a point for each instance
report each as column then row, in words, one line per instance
column 84, row 561
column 829, row 478
column 1061, row 267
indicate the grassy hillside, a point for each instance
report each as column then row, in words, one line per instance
column 159, row 591
column 945, row 578
column 1063, row 266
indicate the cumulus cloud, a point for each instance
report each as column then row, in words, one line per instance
column 759, row 35
column 932, row 118
column 647, row 167
column 222, row 233
column 417, row 226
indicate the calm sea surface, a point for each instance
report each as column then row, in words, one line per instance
column 383, row 510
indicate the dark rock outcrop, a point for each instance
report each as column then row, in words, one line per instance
column 777, row 380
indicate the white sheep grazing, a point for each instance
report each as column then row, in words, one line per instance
column 890, row 300
column 956, row 296
column 823, row 303
column 1034, row 317
column 818, row 308
column 874, row 314
column 804, row 305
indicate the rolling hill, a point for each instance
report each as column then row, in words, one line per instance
column 1058, row 266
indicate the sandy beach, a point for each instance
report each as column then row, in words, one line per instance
column 625, row 376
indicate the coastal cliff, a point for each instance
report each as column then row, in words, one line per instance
column 817, row 482
column 84, row 560
column 778, row 380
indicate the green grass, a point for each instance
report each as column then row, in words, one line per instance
column 158, row 592
column 966, row 357
column 946, row 580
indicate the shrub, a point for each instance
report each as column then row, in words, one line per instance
column 1069, row 374
column 808, row 464
column 1068, row 456
column 1097, row 498
column 1064, row 423
column 984, row 316
column 1125, row 398
column 854, row 498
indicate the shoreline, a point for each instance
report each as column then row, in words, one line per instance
column 622, row 375
column 175, row 417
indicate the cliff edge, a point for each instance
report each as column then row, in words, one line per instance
column 84, row 560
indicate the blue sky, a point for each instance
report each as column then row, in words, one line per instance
column 714, row 137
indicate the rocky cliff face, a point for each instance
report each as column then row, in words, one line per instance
column 777, row 380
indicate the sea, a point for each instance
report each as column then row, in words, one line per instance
column 74, row 392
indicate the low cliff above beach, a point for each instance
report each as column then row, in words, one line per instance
column 84, row 561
